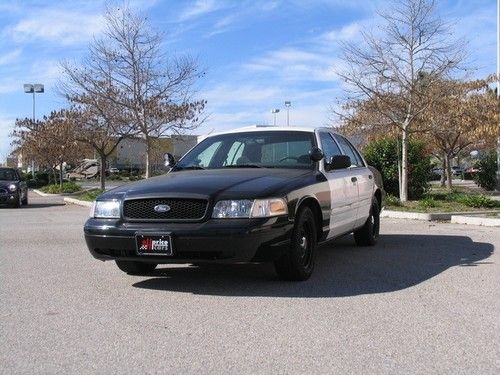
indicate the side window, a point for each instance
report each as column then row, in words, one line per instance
column 350, row 151
column 328, row 145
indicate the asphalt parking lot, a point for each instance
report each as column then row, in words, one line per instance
column 425, row 300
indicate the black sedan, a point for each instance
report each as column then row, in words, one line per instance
column 13, row 188
column 254, row 194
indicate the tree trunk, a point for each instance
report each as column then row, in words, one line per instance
column 448, row 172
column 102, row 173
column 403, row 195
column 60, row 174
column 148, row 157
column 443, row 173
column 54, row 175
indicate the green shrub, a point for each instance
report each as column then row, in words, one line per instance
column 90, row 195
column 114, row 177
column 135, row 178
column 391, row 200
column 428, row 202
column 477, row 201
column 67, row 187
column 383, row 155
column 486, row 177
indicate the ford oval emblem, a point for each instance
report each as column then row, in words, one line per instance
column 162, row 208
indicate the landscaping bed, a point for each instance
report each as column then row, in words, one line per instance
column 440, row 200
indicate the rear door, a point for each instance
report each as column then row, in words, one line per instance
column 362, row 177
column 343, row 191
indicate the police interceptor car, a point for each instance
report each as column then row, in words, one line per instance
column 250, row 195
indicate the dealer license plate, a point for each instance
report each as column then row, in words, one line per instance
column 154, row 244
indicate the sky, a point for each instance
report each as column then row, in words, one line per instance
column 257, row 54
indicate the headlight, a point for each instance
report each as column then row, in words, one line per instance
column 12, row 187
column 232, row 209
column 250, row 208
column 106, row 209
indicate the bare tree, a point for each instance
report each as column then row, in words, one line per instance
column 50, row 142
column 397, row 66
column 127, row 69
column 98, row 121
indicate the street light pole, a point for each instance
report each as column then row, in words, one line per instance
column 30, row 88
column 274, row 112
column 288, row 105
column 498, row 89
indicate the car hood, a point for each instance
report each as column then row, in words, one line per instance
column 215, row 183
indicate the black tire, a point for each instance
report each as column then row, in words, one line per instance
column 18, row 202
column 25, row 200
column 297, row 262
column 368, row 234
column 135, row 268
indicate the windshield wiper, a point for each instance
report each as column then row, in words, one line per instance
column 192, row 167
column 243, row 166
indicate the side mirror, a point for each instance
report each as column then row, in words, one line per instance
column 316, row 154
column 169, row 160
column 338, row 162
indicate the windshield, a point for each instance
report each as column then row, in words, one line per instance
column 266, row 149
column 7, row 175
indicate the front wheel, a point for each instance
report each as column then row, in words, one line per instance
column 135, row 268
column 25, row 200
column 297, row 262
column 18, row 202
column 368, row 234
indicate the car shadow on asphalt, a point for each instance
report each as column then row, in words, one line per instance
column 342, row 269
column 35, row 206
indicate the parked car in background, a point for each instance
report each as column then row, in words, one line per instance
column 457, row 171
column 13, row 188
column 253, row 194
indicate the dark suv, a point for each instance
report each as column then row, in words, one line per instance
column 13, row 188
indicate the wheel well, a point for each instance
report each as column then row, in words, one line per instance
column 316, row 209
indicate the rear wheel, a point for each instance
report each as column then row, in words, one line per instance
column 135, row 268
column 297, row 262
column 368, row 234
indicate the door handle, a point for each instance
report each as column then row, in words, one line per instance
column 354, row 179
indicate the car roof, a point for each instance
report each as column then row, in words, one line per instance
column 260, row 128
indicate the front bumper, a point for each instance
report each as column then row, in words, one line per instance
column 9, row 198
column 226, row 240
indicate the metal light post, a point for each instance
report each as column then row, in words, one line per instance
column 498, row 89
column 275, row 111
column 288, row 104
column 30, row 88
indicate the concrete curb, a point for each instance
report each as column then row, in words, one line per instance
column 78, row 202
column 41, row 193
column 436, row 216
column 471, row 220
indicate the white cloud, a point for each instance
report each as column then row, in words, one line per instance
column 10, row 57
column 6, row 127
column 346, row 33
column 245, row 94
column 63, row 27
column 294, row 64
column 199, row 8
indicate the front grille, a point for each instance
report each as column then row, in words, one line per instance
column 180, row 209
column 3, row 191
